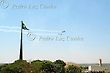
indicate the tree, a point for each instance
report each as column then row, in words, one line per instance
column 44, row 66
column 47, row 66
column 61, row 62
column 19, row 66
column 73, row 69
column 59, row 66
column 37, row 65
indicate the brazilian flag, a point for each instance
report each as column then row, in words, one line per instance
column 24, row 26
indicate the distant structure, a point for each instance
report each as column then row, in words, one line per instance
column 100, row 62
column 98, row 68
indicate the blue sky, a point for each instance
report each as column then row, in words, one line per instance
column 89, row 19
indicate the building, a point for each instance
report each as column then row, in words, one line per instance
column 98, row 68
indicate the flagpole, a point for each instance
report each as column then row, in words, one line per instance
column 21, row 44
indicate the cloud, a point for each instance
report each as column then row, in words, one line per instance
column 17, row 29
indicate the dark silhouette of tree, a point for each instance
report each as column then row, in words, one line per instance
column 61, row 62
column 59, row 66
column 47, row 66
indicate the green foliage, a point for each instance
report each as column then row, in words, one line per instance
column 60, row 62
column 47, row 66
column 38, row 66
column 19, row 66
column 73, row 69
column 44, row 66
column 59, row 66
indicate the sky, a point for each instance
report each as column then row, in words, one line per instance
column 87, row 20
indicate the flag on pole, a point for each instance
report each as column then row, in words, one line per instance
column 24, row 26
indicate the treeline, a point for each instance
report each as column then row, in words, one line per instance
column 38, row 66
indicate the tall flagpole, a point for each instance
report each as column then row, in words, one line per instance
column 21, row 44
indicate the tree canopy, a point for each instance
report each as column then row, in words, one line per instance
column 38, row 66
